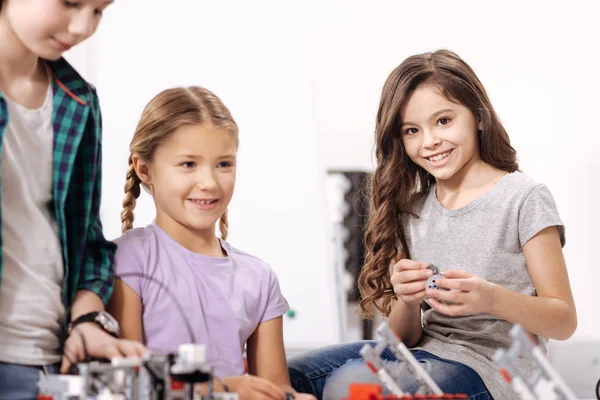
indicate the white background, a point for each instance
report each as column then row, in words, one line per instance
column 303, row 81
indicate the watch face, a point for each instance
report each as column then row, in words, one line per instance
column 108, row 322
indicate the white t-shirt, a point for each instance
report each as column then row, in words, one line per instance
column 31, row 310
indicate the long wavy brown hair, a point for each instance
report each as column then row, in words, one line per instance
column 397, row 180
column 165, row 113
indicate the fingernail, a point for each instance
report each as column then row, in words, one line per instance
column 429, row 272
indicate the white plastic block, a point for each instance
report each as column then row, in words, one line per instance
column 192, row 354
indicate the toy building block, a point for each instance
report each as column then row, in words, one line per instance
column 543, row 383
column 370, row 391
column 59, row 387
column 364, row 391
column 426, row 384
column 156, row 377
column 390, row 375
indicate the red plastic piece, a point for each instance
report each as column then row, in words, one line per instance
column 175, row 385
column 372, row 367
column 426, row 397
column 370, row 391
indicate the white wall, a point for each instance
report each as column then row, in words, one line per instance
column 304, row 81
column 261, row 69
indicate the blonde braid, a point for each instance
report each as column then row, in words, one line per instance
column 132, row 192
column 224, row 225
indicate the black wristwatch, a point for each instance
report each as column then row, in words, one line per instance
column 104, row 320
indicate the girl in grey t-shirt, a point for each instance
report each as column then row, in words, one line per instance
column 447, row 191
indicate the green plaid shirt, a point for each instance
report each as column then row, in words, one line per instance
column 87, row 255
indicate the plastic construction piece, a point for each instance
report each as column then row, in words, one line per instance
column 369, row 391
column 391, row 376
column 155, row 377
column 401, row 352
column 432, row 284
column 543, row 383
column 434, row 269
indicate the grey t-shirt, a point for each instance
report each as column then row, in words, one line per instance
column 486, row 238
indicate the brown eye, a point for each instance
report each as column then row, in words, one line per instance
column 411, row 131
column 444, row 121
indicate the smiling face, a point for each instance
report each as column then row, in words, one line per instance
column 192, row 177
column 439, row 135
column 47, row 28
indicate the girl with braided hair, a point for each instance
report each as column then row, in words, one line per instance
column 184, row 154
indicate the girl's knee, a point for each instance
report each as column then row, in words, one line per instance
column 353, row 371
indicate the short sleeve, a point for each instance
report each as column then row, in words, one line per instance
column 128, row 263
column 537, row 213
column 276, row 305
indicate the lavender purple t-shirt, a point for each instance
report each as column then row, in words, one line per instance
column 224, row 298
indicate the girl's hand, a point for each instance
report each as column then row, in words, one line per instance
column 250, row 387
column 475, row 295
column 89, row 339
column 408, row 278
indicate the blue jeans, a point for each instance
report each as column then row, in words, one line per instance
column 19, row 382
column 327, row 372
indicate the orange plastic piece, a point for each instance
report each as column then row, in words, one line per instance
column 421, row 397
column 370, row 391
column 364, row 391
column 505, row 375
